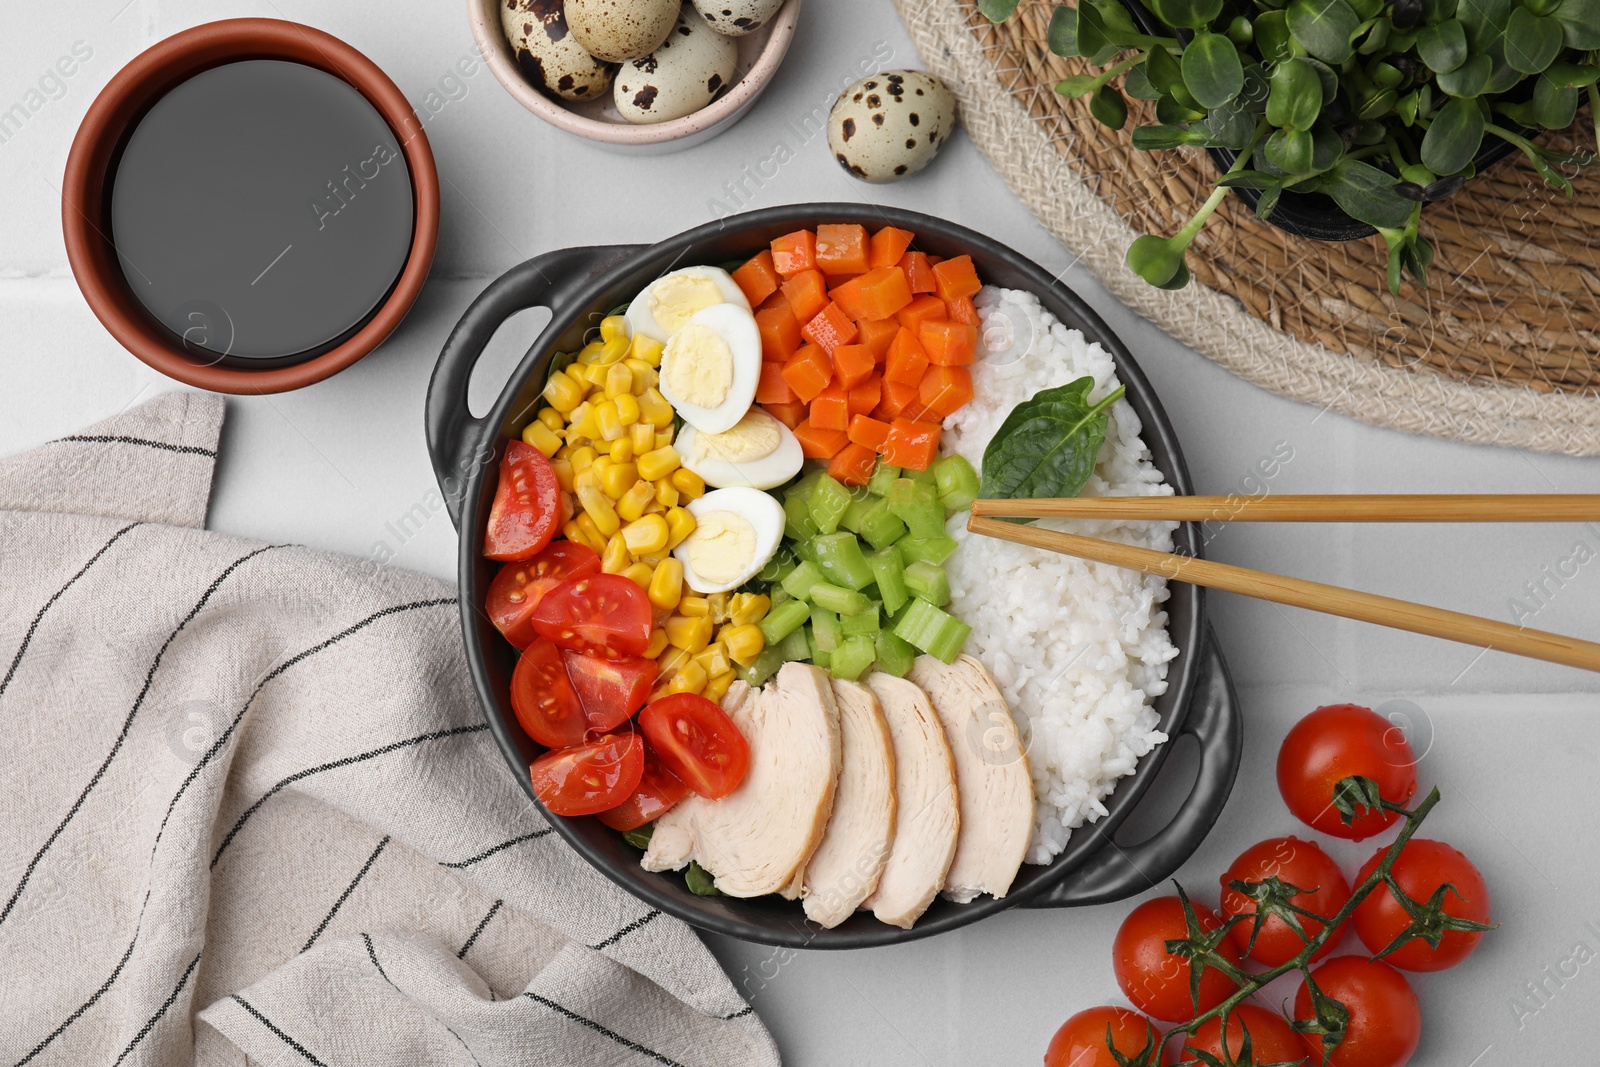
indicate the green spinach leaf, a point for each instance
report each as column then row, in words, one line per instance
column 1048, row 445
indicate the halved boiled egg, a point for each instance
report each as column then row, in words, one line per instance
column 711, row 365
column 736, row 532
column 759, row 452
column 672, row 299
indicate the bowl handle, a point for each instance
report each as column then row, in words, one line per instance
column 554, row 280
column 1114, row 873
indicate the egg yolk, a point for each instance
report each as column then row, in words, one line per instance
column 754, row 436
column 698, row 366
column 675, row 299
column 721, row 547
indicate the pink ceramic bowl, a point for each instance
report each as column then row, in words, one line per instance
column 760, row 53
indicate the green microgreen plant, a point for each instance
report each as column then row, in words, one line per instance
column 1382, row 105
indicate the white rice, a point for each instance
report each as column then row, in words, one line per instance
column 1079, row 649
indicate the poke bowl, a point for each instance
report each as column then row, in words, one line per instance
column 1068, row 839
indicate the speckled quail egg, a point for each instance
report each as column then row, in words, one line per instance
column 693, row 67
column 737, row 17
column 668, row 302
column 888, row 126
column 548, row 55
column 618, row 30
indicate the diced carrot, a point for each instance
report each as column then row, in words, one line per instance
column 780, row 332
column 817, row 443
column 809, row 372
column 772, row 389
column 945, row 389
column 911, row 445
column 888, row 245
column 758, row 279
column 807, row 293
column 918, row 272
column 877, row 294
column 865, row 397
column 962, row 311
column 956, row 278
column 794, row 252
column 853, row 465
column 868, row 432
column 897, row 396
column 852, row 364
column 922, row 309
column 876, row 335
column 830, row 409
column 829, row 328
column 949, row 344
column 791, row 415
column 934, row 261
column 842, row 248
column 906, row 360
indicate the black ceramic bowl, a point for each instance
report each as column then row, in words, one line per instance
column 579, row 286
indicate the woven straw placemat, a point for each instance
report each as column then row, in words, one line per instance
column 1502, row 347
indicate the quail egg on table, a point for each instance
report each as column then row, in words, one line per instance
column 693, row 67
column 737, row 17
column 888, row 126
column 710, row 367
column 548, row 55
column 618, row 30
column 668, row 302
column 736, row 532
column 759, row 452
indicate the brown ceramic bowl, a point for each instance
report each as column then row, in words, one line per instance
column 85, row 203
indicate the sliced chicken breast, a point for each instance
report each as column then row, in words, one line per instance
column 757, row 839
column 992, row 777
column 928, row 817
column 847, row 865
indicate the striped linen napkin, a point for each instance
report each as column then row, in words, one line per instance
column 251, row 812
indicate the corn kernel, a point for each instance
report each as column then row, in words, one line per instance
column 647, row 349
column 654, row 408
column 666, row 493
column 618, row 478
column 603, row 447
column 696, row 606
column 689, row 633
column 573, row 532
column 668, row 662
column 612, row 351
column 689, row 484
column 680, row 524
column 581, row 421
column 664, row 437
column 633, row 503
column 691, row 678
column 616, row 558
column 646, row 534
column 748, row 608
column 619, row 380
column 613, row 327
column 591, row 533
column 718, row 603
column 658, row 643
column 639, row 574
column 583, row 457
column 666, row 585
column 621, row 449
column 563, row 469
column 627, row 409
column 597, row 506
column 594, row 374
column 642, row 437
column 562, row 392
column 714, row 658
column 542, row 437
column 607, row 420
column 644, row 375
column 744, row 643
column 659, row 463
column 602, row 462
column 552, row 418
column 717, row 687
column 589, row 352
column 586, row 478
column 655, row 507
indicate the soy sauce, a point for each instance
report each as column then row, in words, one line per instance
column 262, row 211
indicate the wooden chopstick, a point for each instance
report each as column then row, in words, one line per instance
column 1362, row 507
column 1299, row 593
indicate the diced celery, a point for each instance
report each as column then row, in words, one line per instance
column 858, row 625
column 838, row 598
column 881, row 527
column 801, row 489
column 882, row 477
column 784, row 619
column 796, row 645
column 890, row 572
column 895, row 655
column 828, row 501
column 779, row 595
column 927, row 581
column 922, row 477
column 855, row 513
column 853, row 657
column 780, row 567
column 822, row 659
column 766, row 664
column 917, row 505
column 825, row 629
column 839, row 555
column 935, row 632
column 799, row 524
column 805, row 549
column 801, row 579
column 956, row 481
column 932, row 549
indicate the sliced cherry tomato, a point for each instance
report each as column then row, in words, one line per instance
column 1156, row 980
column 519, row 586
column 610, row 690
column 1385, row 1022
column 1293, row 862
column 697, row 742
column 1334, row 743
column 603, row 613
column 589, row 778
column 1420, row 869
column 527, row 505
column 542, row 695
column 1081, row 1041
column 1271, row 1039
column 658, row 793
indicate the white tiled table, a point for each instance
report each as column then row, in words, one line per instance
column 1514, row 742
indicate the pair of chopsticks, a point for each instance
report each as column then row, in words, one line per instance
column 1297, row 592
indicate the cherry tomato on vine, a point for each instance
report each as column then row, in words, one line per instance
column 1334, row 743
column 1420, row 869
column 1081, row 1041
column 1156, row 981
column 1385, row 1022
column 1271, row 1039
column 589, row 778
column 1294, row 862
column 527, row 505
column 519, row 586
